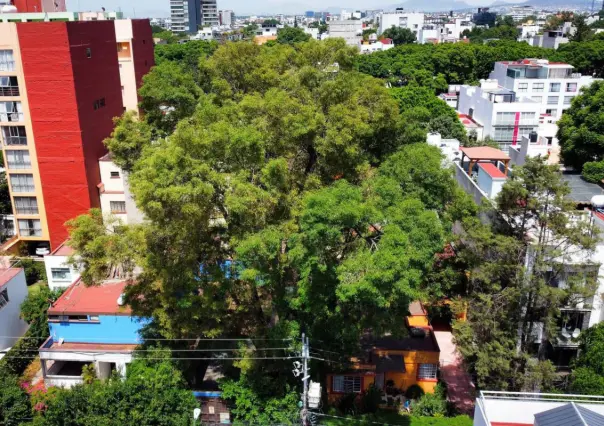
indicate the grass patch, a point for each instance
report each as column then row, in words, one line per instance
column 393, row 418
column 35, row 288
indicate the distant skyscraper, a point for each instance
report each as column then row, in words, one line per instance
column 209, row 13
column 310, row 14
column 227, row 17
column 185, row 15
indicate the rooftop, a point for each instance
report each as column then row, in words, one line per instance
column 492, row 170
column 52, row 345
column 425, row 343
column 580, row 190
column 468, row 121
column 63, row 250
column 7, row 274
column 100, row 299
column 416, row 308
column 484, row 153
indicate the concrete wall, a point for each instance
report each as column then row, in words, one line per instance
column 109, row 329
column 51, row 262
column 10, row 322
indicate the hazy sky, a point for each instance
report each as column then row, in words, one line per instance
column 161, row 8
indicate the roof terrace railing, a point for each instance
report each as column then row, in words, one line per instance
column 545, row 397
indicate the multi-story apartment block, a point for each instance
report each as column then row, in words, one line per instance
column 37, row 6
column 58, row 16
column 185, row 15
column 115, row 194
column 13, row 292
column 503, row 115
column 348, row 30
column 518, row 13
column 60, row 90
column 411, row 20
column 552, row 85
column 227, row 17
column 209, row 13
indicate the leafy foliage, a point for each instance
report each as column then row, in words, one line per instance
column 14, row 403
column 431, row 404
column 414, row 392
column 34, row 271
column 292, row 35
column 399, row 35
column 580, row 128
column 593, row 171
column 588, row 375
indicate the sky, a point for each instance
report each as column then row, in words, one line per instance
column 161, row 8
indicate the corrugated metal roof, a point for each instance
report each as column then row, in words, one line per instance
column 569, row 415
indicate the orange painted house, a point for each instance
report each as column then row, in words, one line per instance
column 391, row 362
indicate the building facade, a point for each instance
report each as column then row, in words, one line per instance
column 60, row 90
column 13, row 291
column 411, row 20
column 227, row 17
column 185, row 16
column 209, row 13
column 350, row 30
column 115, row 194
column 36, row 6
column 89, row 325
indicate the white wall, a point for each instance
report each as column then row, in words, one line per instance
column 51, row 262
column 410, row 20
column 10, row 322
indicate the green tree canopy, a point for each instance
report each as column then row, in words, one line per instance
column 588, row 374
column 581, row 128
column 400, row 35
column 291, row 35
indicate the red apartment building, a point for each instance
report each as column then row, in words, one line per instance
column 61, row 85
column 37, row 6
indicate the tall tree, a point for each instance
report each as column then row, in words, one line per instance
column 400, row 35
column 588, row 373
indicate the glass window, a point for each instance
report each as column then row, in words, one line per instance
column 347, row 384
column 504, row 134
column 94, row 318
column 11, row 112
column 3, row 298
column 427, row 371
column 117, row 206
column 571, row 87
column 115, row 175
column 7, row 61
column 30, row 228
column 26, row 205
column 60, row 274
column 14, row 135
column 553, row 100
column 552, row 111
column 18, row 159
column 88, row 52
column 22, row 183
column 537, row 98
column 554, row 87
column 505, row 118
column 568, row 100
column 538, row 87
column 522, row 87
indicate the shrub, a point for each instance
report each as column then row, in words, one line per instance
column 372, row 399
column 431, row 405
column 14, row 403
column 34, row 271
column 346, row 404
column 414, row 392
column 593, row 172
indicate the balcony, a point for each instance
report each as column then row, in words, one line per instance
column 7, row 66
column 9, row 91
column 512, row 123
column 11, row 117
column 15, row 140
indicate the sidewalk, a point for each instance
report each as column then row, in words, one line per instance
column 460, row 388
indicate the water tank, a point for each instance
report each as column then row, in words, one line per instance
column 434, row 139
column 533, row 137
column 120, row 300
column 597, row 201
column 8, row 8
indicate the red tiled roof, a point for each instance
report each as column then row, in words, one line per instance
column 79, row 299
column 7, row 274
column 386, row 41
column 63, row 250
column 484, row 153
column 491, row 170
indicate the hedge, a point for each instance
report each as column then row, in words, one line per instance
column 593, row 172
column 393, row 418
column 24, row 351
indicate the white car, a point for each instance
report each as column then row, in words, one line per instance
column 42, row 251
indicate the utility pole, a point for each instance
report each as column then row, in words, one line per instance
column 305, row 377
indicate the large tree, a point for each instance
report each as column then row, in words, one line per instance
column 588, row 373
column 581, row 128
column 399, row 35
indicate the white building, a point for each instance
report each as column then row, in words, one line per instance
column 227, row 17
column 13, row 291
column 209, row 13
column 502, row 115
column 376, row 45
column 205, row 33
column 552, row 85
column 549, row 39
column 59, row 272
column 351, row 31
column 268, row 30
column 539, row 409
column 518, row 13
column 345, row 15
column 413, row 21
column 115, row 194
column 313, row 33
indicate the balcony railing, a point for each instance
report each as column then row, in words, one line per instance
column 30, row 232
column 7, row 65
column 513, row 123
column 23, row 188
column 11, row 117
column 19, row 165
column 15, row 140
column 9, row 91
column 27, row 210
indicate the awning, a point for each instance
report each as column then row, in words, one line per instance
column 390, row 363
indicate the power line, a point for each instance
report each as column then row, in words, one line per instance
column 155, row 358
column 364, row 421
column 165, row 339
column 153, row 350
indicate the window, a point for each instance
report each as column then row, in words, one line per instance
column 22, row 183
column 505, row 118
column 11, row 111
column 527, row 118
column 88, row 52
column 7, row 61
column 427, row 371
column 99, row 103
column 122, row 89
column 115, row 175
column 30, row 228
column 18, row 159
column 3, row 298
column 523, row 87
column 117, row 206
column 504, row 134
column 553, row 100
column 568, row 100
column 537, row 98
column 552, row 111
column 571, row 87
column 538, row 87
column 9, row 86
column 347, row 384
column 94, row 318
column 14, row 135
column 26, row 205
column 554, row 87
column 60, row 274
